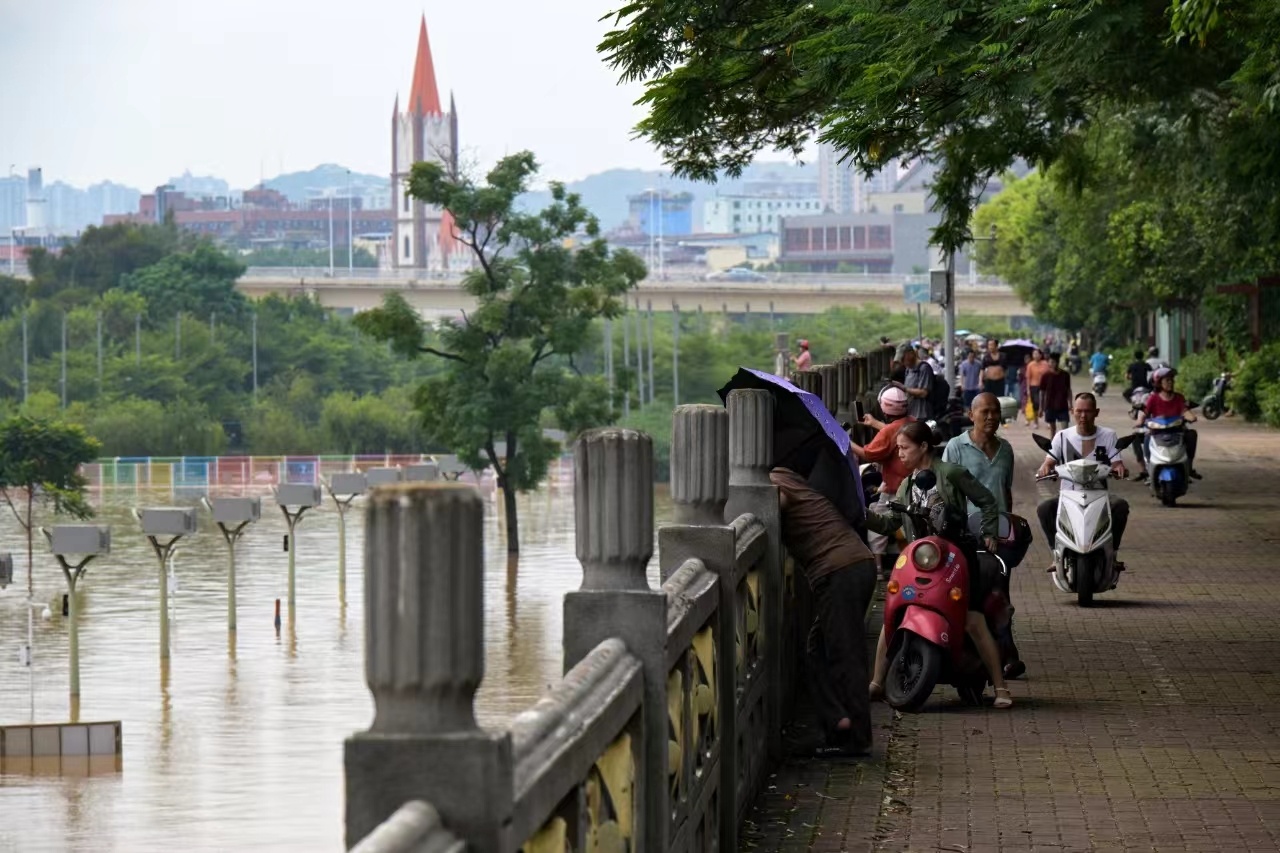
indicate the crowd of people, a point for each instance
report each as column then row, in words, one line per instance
column 955, row 437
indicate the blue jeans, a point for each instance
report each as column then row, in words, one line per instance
column 1011, row 388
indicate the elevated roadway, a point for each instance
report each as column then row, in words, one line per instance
column 784, row 294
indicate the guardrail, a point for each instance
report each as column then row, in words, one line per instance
column 317, row 276
column 660, row 734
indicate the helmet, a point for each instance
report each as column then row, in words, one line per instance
column 1161, row 373
column 853, row 350
column 893, row 401
column 804, row 343
column 1153, row 352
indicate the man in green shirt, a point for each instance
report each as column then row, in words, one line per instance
column 989, row 458
column 986, row 456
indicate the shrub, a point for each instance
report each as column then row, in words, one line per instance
column 1257, row 382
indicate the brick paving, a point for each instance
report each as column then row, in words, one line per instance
column 1150, row 722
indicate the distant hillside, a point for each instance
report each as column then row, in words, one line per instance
column 605, row 194
column 301, row 186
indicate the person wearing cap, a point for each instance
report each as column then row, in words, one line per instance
column 1164, row 402
column 805, row 358
column 883, row 450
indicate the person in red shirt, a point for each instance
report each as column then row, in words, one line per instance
column 1167, row 403
column 883, row 450
column 804, row 359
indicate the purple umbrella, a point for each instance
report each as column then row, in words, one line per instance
column 800, row 419
column 1017, row 348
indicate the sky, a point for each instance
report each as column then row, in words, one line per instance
column 138, row 91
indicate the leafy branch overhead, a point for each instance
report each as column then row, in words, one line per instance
column 538, row 281
column 975, row 86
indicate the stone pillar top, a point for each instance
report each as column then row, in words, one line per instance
column 700, row 463
column 750, row 436
column 613, row 507
column 424, row 606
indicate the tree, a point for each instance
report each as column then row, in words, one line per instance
column 201, row 281
column 512, row 358
column 973, row 85
column 40, row 463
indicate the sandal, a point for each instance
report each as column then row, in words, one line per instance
column 875, row 692
column 1004, row 699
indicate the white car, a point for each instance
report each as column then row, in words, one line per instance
column 737, row 274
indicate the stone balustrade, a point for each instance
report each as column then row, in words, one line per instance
column 660, row 734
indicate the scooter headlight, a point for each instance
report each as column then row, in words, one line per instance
column 926, row 556
column 1064, row 524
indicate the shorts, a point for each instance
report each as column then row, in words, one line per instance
column 1057, row 416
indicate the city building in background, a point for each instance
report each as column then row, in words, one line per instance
column 843, row 188
column 661, row 213
column 753, row 214
column 423, row 132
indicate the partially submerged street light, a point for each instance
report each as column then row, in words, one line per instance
column 303, row 497
column 233, row 515
column 345, row 488
column 383, row 476
column 157, row 523
column 88, row 541
column 422, row 472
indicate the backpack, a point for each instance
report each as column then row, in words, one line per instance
column 939, row 394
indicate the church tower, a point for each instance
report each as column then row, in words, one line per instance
column 424, row 237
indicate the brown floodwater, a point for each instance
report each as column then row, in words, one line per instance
column 240, row 748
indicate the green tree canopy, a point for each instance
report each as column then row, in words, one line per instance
column 201, row 281
column 974, row 86
column 40, row 463
column 512, row 358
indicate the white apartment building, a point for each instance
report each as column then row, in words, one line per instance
column 752, row 214
column 842, row 187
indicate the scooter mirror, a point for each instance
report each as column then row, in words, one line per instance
column 925, row 480
column 1043, row 443
column 1192, row 405
column 1123, row 441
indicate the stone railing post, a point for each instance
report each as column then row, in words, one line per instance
column 808, row 380
column 700, row 464
column 700, row 477
column 424, row 660
column 830, row 389
column 844, row 388
column 613, row 515
column 750, row 490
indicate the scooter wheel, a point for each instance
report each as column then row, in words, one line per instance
column 913, row 673
column 1167, row 497
column 1211, row 408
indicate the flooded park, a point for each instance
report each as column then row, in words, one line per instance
column 236, row 742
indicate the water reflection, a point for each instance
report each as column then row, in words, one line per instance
column 236, row 743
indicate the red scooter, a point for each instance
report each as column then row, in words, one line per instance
column 926, row 605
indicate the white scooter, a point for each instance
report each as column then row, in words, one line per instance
column 1082, row 548
column 1167, row 458
column 1099, row 384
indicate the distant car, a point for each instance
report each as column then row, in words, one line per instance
column 737, row 274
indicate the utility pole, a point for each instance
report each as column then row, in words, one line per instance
column 608, row 354
column 64, row 359
column 137, row 339
column 255, row 357
column 649, row 306
column 675, row 354
column 330, row 234
column 351, row 233
column 177, row 336
column 99, row 353
column 626, row 363
column 26, row 361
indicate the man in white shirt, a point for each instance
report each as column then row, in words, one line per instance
column 1082, row 442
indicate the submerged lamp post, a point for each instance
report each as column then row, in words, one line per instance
column 159, row 523
column 87, row 541
column 304, row 497
column 233, row 515
column 383, row 476
column 345, row 488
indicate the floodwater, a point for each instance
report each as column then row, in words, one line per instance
column 241, row 748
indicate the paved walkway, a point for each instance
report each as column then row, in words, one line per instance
column 1148, row 723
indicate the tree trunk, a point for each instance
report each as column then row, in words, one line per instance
column 513, row 525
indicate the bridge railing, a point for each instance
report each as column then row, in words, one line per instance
column 660, row 733
column 319, row 276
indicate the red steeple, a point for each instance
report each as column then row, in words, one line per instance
column 424, row 98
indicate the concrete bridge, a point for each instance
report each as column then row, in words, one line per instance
column 442, row 296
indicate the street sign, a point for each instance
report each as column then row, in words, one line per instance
column 938, row 286
column 915, row 292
